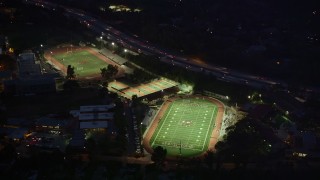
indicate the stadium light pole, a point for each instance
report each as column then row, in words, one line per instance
column 101, row 42
column 125, row 53
column 41, row 51
column 141, row 137
column 112, row 46
column 141, row 130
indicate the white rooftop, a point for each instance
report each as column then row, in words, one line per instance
column 95, row 108
column 95, row 116
column 27, row 56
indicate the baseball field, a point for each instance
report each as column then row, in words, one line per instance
column 86, row 61
column 186, row 126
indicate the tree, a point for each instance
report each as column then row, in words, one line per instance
column 108, row 73
column 159, row 155
column 91, row 144
column 70, row 72
column 104, row 73
column 103, row 91
column 134, row 99
column 113, row 70
column 243, row 143
column 105, row 84
column 3, row 115
column 7, row 151
column 4, row 47
column 209, row 158
column 7, row 63
column 70, row 85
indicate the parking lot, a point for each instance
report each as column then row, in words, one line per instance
column 44, row 141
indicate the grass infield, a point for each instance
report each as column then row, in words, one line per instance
column 85, row 63
column 187, row 124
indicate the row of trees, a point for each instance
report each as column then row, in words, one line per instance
column 107, row 73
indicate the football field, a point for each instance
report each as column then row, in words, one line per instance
column 186, row 127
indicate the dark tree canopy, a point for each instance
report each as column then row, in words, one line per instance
column 70, row 85
column 70, row 72
column 209, row 158
column 7, row 63
column 159, row 155
column 243, row 143
column 109, row 73
column 3, row 115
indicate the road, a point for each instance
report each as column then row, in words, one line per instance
column 133, row 42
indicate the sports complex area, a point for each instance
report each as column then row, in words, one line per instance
column 86, row 61
column 186, row 126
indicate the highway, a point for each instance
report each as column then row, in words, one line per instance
column 133, row 43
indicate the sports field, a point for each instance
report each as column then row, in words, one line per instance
column 186, row 126
column 142, row 89
column 85, row 63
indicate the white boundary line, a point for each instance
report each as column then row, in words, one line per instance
column 209, row 127
column 162, row 124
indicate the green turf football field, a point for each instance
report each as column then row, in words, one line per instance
column 186, row 124
column 85, row 64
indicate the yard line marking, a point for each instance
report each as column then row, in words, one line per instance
column 193, row 127
column 164, row 120
column 175, row 130
column 209, row 127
